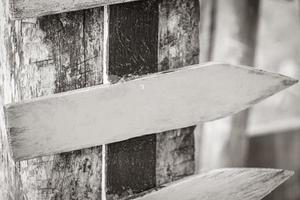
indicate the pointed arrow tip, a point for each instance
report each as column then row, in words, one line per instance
column 285, row 174
column 288, row 81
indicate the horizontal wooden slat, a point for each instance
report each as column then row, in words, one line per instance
column 21, row 9
column 225, row 184
column 152, row 104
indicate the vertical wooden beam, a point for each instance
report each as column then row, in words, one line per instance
column 136, row 28
column 10, row 184
column 133, row 42
column 178, row 47
column 49, row 55
column 234, row 42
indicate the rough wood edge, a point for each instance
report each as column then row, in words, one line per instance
column 49, row 7
column 289, row 81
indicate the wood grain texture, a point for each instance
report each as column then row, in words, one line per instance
column 178, row 34
column 130, row 166
column 227, row 184
column 175, row 155
column 278, row 149
column 31, row 123
column 21, row 9
column 10, row 182
column 177, row 30
column 50, row 55
column 178, row 46
column 132, row 52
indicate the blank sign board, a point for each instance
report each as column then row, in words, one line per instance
column 152, row 104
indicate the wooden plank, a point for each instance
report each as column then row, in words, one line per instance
column 227, row 184
column 172, row 151
column 132, row 52
column 10, row 182
column 49, row 55
column 178, row 46
column 36, row 126
column 21, row 9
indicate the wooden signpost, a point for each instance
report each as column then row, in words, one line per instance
column 64, row 52
column 156, row 103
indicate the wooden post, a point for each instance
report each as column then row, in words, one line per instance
column 224, row 141
column 64, row 52
column 10, row 184
column 132, row 52
column 142, row 163
column 178, row 47
column 49, row 55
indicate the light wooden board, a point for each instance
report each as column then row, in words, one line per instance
column 179, row 46
column 160, row 102
column 225, row 184
column 33, row 8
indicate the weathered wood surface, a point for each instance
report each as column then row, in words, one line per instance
column 277, row 148
column 31, row 123
column 50, row 55
column 10, row 183
column 227, row 184
column 169, row 155
column 132, row 52
column 178, row 37
column 234, row 35
column 21, row 9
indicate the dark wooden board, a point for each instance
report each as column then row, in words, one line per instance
column 133, row 30
column 10, row 182
column 179, row 46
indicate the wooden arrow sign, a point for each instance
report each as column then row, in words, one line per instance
column 21, row 9
column 225, row 184
column 152, row 104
